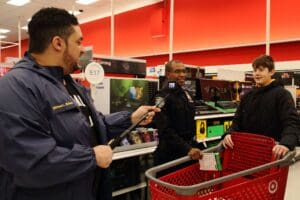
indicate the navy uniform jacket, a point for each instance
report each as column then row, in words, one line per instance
column 45, row 141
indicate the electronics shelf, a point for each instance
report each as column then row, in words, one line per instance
column 129, row 189
column 209, row 139
column 214, row 116
column 134, row 150
column 123, row 152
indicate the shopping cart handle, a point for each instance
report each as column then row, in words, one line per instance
column 192, row 189
column 297, row 156
column 151, row 173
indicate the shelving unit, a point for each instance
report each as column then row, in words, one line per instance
column 125, row 152
column 210, row 117
column 134, row 150
column 130, row 189
column 214, row 116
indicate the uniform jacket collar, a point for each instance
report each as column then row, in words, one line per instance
column 54, row 73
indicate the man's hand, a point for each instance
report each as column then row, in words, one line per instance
column 195, row 154
column 280, row 150
column 227, row 142
column 103, row 155
column 141, row 111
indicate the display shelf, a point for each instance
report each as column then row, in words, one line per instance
column 214, row 116
column 209, row 139
column 134, row 150
column 129, row 189
column 203, row 141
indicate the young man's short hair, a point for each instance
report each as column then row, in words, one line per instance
column 265, row 61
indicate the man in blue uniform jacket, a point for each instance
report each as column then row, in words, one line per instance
column 53, row 143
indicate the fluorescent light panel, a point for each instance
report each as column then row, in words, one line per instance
column 24, row 28
column 2, row 36
column 75, row 12
column 18, row 2
column 86, row 2
column 2, row 30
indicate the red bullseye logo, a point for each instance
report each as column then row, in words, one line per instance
column 273, row 186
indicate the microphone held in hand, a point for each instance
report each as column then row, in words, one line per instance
column 116, row 141
column 168, row 88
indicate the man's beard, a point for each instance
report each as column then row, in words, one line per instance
column 69, row 62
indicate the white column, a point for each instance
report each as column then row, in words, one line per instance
column 171, row 32
column 19, row 37
column 268, row 24
column 112, row 29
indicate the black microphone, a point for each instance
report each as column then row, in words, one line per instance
column 115, row 142
column 168, row 88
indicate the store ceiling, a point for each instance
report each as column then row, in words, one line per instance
column 10, row 15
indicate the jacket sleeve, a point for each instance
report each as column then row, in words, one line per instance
column 29, row 153
column 235, row 126
column 167, row 133
column 28, row 150
column 289, row 119
column 117, row 122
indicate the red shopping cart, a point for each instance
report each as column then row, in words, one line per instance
column 249, row 172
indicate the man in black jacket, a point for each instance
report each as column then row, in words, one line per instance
column 175, row 123
column 267, row 109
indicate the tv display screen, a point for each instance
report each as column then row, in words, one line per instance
column 129, row 94
column 192, row 85
column 211, row 87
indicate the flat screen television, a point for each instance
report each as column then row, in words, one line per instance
column 192, row 85
column 212, row 87
column 129, row 94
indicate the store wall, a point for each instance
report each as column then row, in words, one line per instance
column 206, row 33
column 97, row 34
column 13, row 51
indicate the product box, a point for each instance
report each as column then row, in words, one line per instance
column 201, row 132
column 214, row 131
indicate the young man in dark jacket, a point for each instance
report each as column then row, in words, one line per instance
column 53, row 143
column 268, row 109
column 175, row 123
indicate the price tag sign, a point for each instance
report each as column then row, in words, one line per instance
column 94, row 73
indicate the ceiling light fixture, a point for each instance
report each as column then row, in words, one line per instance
column 2, row 30
column 86, row 2
column 2, row 36
column 24, row 28
column 75, row 12
column 18, row 2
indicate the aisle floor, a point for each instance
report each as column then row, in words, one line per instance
column 293, row 183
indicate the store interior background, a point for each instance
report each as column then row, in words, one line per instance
column 205, row 33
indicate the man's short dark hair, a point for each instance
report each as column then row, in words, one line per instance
column 48, row 23
column 265, row 61
column 169, row 65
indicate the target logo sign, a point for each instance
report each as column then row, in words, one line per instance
column 273, row 186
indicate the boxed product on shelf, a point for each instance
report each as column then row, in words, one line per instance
column 215, row 130
column 139, row 136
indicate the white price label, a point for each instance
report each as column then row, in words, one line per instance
column 94, row 73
